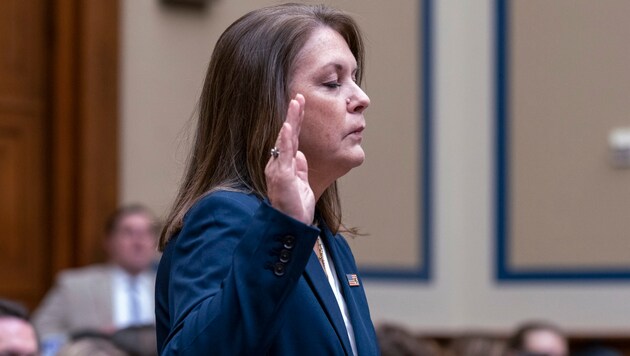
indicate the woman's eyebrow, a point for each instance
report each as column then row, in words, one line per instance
column 338, row 66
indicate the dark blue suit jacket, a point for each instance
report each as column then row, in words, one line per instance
column 241, row 278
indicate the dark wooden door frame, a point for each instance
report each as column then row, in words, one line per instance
column 84, row 127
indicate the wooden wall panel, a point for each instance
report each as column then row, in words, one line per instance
column 23, row 44
column 98, row 113
column 23, row 255
column 58, row 138
column 84, row 127
column 23, row 118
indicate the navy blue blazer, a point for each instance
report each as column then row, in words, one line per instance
column 241, row 278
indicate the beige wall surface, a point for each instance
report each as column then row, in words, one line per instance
column 570, row 87
column 164, row 56
column 382, row 197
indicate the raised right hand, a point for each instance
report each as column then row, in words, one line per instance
column 287, row 175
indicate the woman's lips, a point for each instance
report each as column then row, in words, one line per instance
column 357, row 132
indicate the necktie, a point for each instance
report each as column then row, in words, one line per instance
column 134, row 301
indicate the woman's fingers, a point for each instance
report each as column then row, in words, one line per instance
column 287, row 174
column 285, row 146
column 301, row 166
column 288, row 138
column 295, row 114
column 299, row 98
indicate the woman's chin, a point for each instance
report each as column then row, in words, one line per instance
column 356, row 159
column 337, row 167
column 359, row 161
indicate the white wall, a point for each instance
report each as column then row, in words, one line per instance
column 163, row 61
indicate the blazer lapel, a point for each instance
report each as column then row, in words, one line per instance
column 316, row 278
column 103, row 297
column 361, row 333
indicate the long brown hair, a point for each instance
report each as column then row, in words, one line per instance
column 244, row 102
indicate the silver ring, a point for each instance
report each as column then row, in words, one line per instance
column 275, row 152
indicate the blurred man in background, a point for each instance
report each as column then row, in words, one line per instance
column 17, row 335
column 538, row 338
column 106, row 297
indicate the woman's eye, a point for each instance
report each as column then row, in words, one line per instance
column 333, row 85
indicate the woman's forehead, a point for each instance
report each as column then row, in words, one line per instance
column 326, row 48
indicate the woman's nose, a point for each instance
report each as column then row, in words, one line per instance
column 359, row 101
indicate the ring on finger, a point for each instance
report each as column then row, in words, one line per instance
column 275, row 152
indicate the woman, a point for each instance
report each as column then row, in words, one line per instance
column 253, row 263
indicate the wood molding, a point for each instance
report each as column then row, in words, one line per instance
column 98, row 113
column 84, row 142
column 63, row 135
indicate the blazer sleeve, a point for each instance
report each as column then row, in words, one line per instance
column 50, row 316
column 232, row 267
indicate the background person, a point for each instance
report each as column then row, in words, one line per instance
column 107, row 297
column 395, row 340
column 476, row 344
column 538, row 338
column 17, row 334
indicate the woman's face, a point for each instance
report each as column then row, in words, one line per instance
column 331, row 132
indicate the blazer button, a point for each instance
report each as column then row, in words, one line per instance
column 285, row 256
column 289, row 242
column 279, row 269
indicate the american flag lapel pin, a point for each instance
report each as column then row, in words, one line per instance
column 353, row 280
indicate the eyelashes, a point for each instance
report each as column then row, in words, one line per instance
column 335, row 84
column 332, row 85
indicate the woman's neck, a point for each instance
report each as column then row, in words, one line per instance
column 319, row 183
column 318, row 189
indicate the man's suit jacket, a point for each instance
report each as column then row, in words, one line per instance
column 80, row 300
column 241, row 278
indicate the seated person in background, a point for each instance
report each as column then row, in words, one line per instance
column 91, row 346
column 395, row 340
column 111, row 296
column 538, row 338
column 137, row 340
column 17, row 335
column 474, row 344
